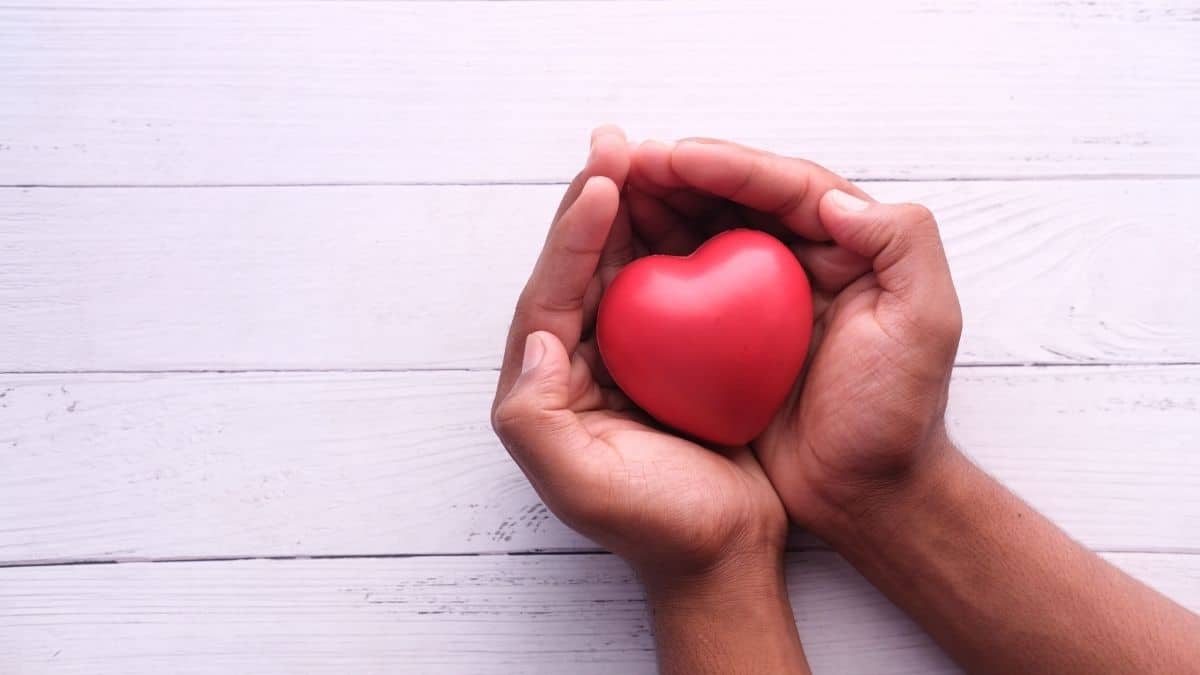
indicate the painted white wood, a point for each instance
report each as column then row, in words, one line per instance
column 403, row 277
column 156, row 466
column 129, row 466
column 489, row 614
column 302, row 92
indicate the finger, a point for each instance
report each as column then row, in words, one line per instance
column 830, row 267
column 535, row 420
column 659, row 226
column 766, row 222
column 790, row 189
column 609, row 396
column 591, row 304
column 821, row 302
column 590, row 353
column 651, row 164
column 670, row 206
column 619, row 249
column 608, row 156
column 906, row 254
column 650, row 171
column 554, row 295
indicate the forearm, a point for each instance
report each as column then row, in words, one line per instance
column 1002, row 589
column 735, row 621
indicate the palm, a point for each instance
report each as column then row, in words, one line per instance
column 839, row 394
column 677, row 495
column 840, row 426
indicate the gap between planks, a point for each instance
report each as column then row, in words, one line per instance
column 468, row 369
column 141, row 560
column 1013, row 178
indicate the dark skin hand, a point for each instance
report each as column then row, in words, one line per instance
column 702, row 527
column 886, row 316
column 860, row 455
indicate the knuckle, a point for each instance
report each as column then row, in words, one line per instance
column 511, row 416
column 522, row 420
column 753, row 168
column 942, row 324
column 919, row 223
column 946, row 326
column 801, row 173
column 951, row 325
column 954, row 324
column 533, row 302
column 919, row 216
column 915, row 228
column 525, row 300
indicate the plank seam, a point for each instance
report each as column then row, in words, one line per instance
column 18, row 564
column 489, row 369
column 1012, row 178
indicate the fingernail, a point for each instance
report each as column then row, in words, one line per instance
column 534, row 350
column 846, row 201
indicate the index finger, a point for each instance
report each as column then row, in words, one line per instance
column 607, row 157
column 553, row 298
column 788, row 188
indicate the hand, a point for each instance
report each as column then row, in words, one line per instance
column 868, row 410
column 993, row 581
column 673, row 509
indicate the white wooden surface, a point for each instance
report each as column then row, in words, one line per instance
column 256, row 259
column 485, row 614
column 202, row 465
column 334, row 92
column 1072, row 271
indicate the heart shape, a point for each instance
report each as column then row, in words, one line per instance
column 711, row 343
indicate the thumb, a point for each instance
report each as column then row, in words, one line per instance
column 905, row 249
column 901, row 240
column 534, row 421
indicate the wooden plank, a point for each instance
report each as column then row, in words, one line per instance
column 425, row 277
column 162, row 466
column 488, row 614
column 301, row 92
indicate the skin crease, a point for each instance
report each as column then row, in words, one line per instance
column 857, row 454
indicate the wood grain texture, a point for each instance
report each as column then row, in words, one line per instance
column 303, row 92
column 402, row 274
column 163, row 466
column 489, row 614
column 425, row 277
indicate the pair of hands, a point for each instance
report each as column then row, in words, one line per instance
column 863, row 417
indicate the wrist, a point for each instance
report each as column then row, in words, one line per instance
column 732, row 618
column 879, row 505
column 745, row 577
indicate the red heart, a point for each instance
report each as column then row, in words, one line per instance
column 710, row 343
